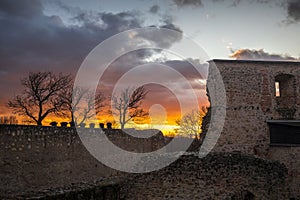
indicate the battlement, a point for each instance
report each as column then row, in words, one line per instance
column 33, row 138
column 259, row 94
column 57, row 154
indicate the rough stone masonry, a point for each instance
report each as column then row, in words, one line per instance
column 34, row 159
column 252, row 103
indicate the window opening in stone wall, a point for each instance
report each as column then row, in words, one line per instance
column 284, row 85
column 285, row 89
column 277, row 89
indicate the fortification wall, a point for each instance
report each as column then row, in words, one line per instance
column 104, row 190
column 251, row 101
column 217, row 176
column 40, row 157
column 290, row 156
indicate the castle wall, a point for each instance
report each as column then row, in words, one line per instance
column 251, row 101
column 216, row 176
column 33, row 158
column 41, row 157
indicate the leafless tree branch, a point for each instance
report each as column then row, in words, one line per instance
column 127, row 105
column 39, row 97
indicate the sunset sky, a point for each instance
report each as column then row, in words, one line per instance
column 57, row 36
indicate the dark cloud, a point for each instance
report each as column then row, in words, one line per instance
column 159, row 94
column 292, row 7
column 24, row 8
column 183, row 3
column 32, row 41
column 293, row 10
column 154, row 9
column 184, row 67
column 235, row 3
column 67, row 8
column 252, row 54
column 45, row 40
column 163, row 39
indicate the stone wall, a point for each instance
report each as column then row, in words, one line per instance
column 217, row 176
column 251, row 101
column 33, row 157
column 220, row 176
column 290, row 156
column 100, row 190
column 36, row 158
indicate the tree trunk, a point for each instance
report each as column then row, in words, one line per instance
column 123, row 120
column 39, row 123
column 72, row 119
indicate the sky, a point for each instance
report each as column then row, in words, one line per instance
column 58, row 35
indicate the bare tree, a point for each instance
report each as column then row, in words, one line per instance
column 127, row 105
column 80, row 103
column 39, row 97
column 190, row 123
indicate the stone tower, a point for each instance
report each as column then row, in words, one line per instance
column 262, row 111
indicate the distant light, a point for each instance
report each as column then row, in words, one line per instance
column 277, row 89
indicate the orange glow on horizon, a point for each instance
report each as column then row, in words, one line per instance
column 165, row 100
column 168, row 127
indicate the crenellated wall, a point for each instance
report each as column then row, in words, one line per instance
column 38, row 158
column 41, row 157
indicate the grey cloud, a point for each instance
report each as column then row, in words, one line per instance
column 43, row 39
column 252, row 54
column 121, row 21
column 235, row 3
column 292, row 7
column 157, row 92
column 69, row 9
column 114, row 72
column 185, row 68
column 182, row 3
column 24, row 8
column 164, row 41
column 32, row 41
column 293, row 10
column 154, row 9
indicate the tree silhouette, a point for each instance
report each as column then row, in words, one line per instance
column 39, row 97
column 127, row 105
column 79, row 104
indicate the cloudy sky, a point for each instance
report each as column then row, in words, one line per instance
column 57, row 35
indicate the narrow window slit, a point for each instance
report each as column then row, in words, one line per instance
column 277, row 89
